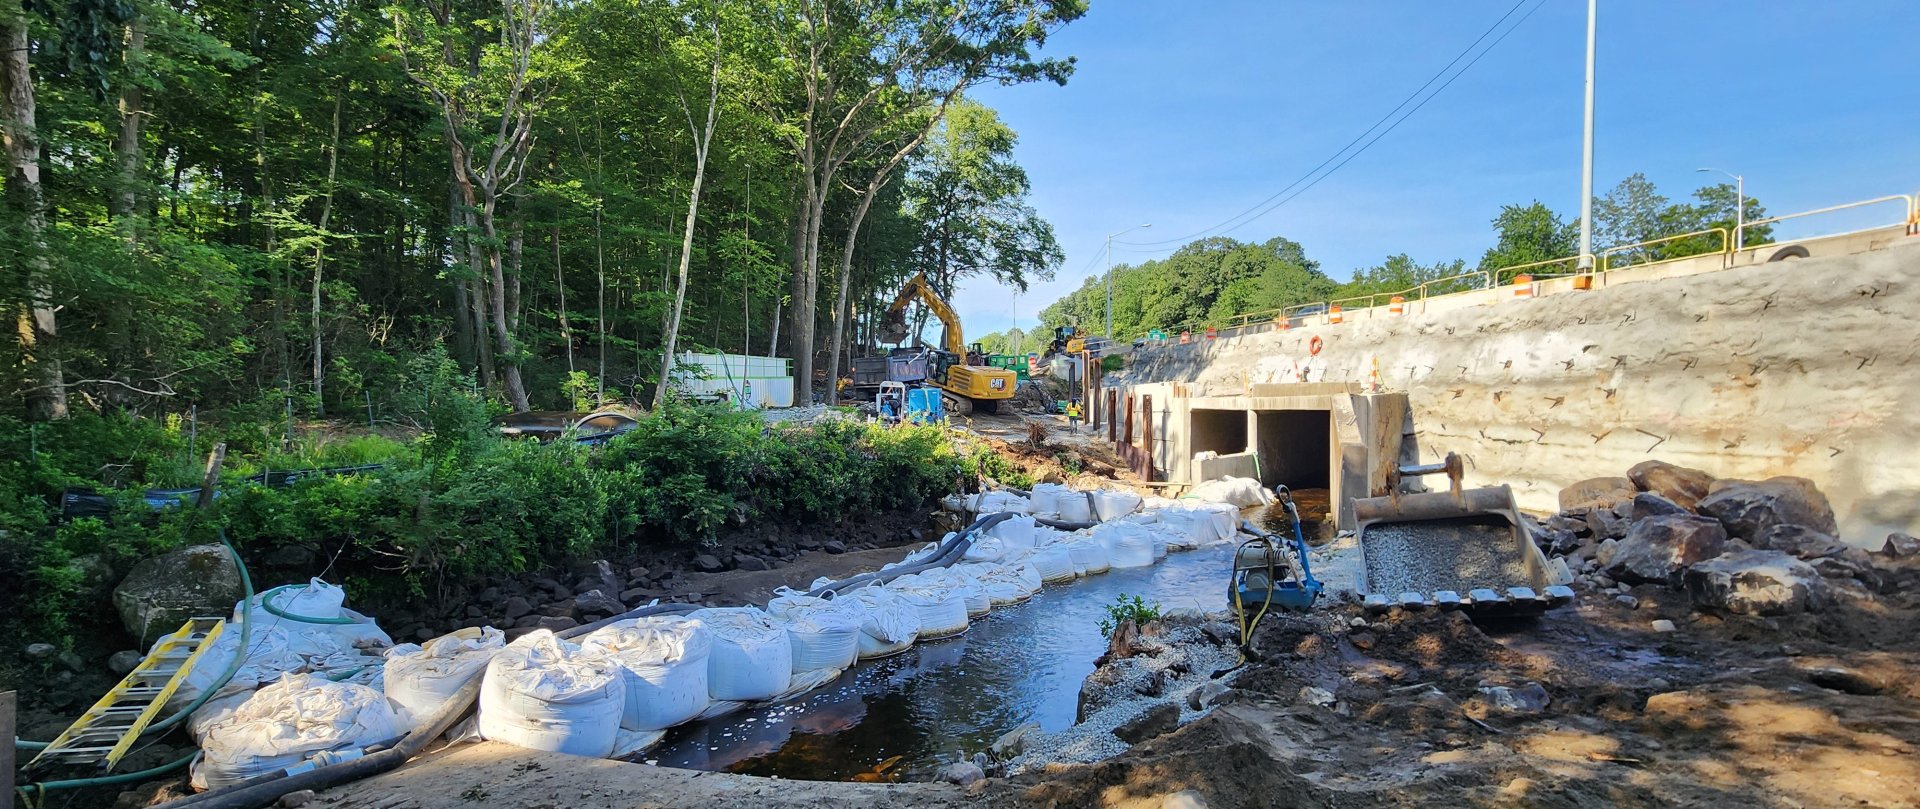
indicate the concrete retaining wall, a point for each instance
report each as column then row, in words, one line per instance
column 1808, row 367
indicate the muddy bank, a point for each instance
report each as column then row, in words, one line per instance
column 1588, row 706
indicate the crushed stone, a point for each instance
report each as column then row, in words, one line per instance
column 1458, row 555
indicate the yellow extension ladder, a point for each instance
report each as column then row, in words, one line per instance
column 105, row 733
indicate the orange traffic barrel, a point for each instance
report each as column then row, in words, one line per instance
column 1186, row 337
column 1397, row 306
column 1333, row 314
column 1212, row 333
column 1523, row 286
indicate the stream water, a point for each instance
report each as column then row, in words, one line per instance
column 902, row 717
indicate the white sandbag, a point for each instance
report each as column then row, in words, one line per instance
column 1045, row 498
column 1054, row 563
column 998, row 501
column 1127, row 544
column 825, row 633
column 421, row 678
column 924, row 553
column 663, row 667
column 1185, row 529
column 1237, row 492
column 544, row 693
column 752, row 655
column 969, row 589
column 1074, row 507
column 1011, row 583
column 942, row 610
column 1089, row 557
column 890, row 626
column 1224, row 518
column 1110, row 504
column 1015, row 533
column 985, row 549
column 267, row 657
column 285, row 723
column 315, row 599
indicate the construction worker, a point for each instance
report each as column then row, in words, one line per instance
column 1073, row 416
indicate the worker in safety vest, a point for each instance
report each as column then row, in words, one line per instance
column 1073, row 416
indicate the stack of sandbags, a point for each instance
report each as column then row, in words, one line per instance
column 419, row 679
column 663, row 667
column 942, row 610
column 752, row 655
column 544, row 693
column 289, row 721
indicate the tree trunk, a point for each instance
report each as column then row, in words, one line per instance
column 463, row 336
column 560, row 284
column 504, row 346
column 320, row 256
column 125, row 201
column 600, row 301
column 705, row 139
column 39, row 330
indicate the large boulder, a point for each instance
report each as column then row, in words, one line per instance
column 1648, row 504
column 161, row 593
column 1747, row 507
column 1596, row 493
column 1677, row 483
column 1800, row 542
column 1658, row 549
column 1756, row 582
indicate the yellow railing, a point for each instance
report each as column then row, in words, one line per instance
column 1726, row 247
column 1502, row 275
column 1438, row 281
column 1908, row 202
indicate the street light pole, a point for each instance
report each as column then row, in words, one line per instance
column 1739, row 207
column 1585, row 262
column 1110, row 274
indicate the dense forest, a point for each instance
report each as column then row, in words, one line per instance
column 275, row 205
column 1210, row 281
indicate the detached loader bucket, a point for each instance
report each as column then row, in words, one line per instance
column 1464, row 549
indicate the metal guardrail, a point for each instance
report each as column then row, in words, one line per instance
column 1912, row 215
column 1725, row 249
column 1603, row 263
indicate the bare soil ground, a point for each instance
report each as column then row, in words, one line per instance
column 1798, row 711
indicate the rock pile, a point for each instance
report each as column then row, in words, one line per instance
column 1735, row 546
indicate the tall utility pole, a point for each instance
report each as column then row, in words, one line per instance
column 1585, row 261
column 1110, row 274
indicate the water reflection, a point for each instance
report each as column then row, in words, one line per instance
column 943, row 700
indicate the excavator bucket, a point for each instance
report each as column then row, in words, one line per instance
column 1464, row 549
column 894, row 328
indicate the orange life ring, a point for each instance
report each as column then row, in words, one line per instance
column 1314, row 345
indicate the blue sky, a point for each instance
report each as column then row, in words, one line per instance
column 1183, row 114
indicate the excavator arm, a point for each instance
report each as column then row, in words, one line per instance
column 894, row 329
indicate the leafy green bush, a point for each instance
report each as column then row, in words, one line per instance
column 1128, row 608
column 984, row 462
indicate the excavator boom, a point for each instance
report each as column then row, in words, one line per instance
column 894, row 329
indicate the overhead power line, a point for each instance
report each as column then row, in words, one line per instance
column 1268, row 205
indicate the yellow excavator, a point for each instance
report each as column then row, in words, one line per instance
column 964, row 375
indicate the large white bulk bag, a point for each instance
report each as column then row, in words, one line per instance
column 1054, row 563
column 968, row 587
column 1223, row 517
column 265, row 659
column 997, row 501
column 1011, row 583
column 1237, row 492
column 545, row 693
column 1045, row 498
column 421, row 678
column 1089, row 556
column 1110, row 504
column 1074, row 507
column 1127, row 544
column 890, row 625
column 985, row 548
column 825, row 633
column 285, row 723
column 752, row 655
column 942, row 610
column 924, row 553
column 1015, row 533
column 315, row 599
column 663, row 667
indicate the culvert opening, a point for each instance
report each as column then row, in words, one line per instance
column 1295, row 450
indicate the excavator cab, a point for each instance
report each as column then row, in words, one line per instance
column 1068, row 340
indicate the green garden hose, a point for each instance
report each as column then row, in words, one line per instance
column 266, row 603
column 35, row 795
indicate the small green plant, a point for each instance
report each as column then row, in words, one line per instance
column 1069, row 463
column 1111, row 363
column 1128, row 608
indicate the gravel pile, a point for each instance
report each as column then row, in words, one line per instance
column 1458, row 555
column 1121, row 701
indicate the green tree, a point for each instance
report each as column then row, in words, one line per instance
column 1525, row 234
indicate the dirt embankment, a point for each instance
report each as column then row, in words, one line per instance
column 1587, row 707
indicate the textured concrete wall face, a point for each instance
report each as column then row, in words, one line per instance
column 1807, row 368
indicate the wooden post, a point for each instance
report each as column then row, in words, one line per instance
column 1128, row 427
column 9, row 703
column 1113, row 424
column 212, row 478
column 1146, row 435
